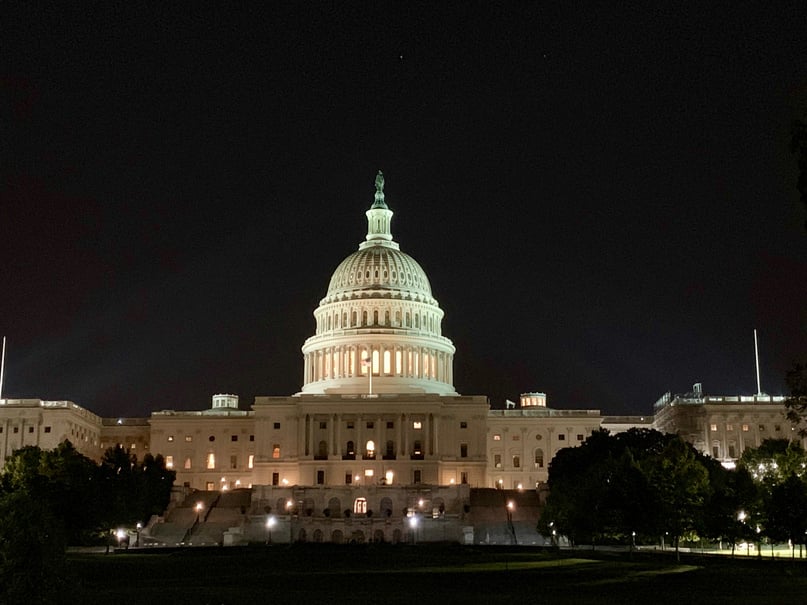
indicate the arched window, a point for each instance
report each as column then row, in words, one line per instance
column 370, row 449
column 353, row 318
column 360, row 506
column 322, row 450
column 364, row 318
column 408, row 320
column 539, row 458
column 276, row 450
column 351, row 449
column 398, row 362
column 417, row 320
column 387, row 362
column 376, row 362
column 386, row 318
column 375, row 318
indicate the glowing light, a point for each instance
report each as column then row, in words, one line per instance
column 413, row 522
column 289, row 504
column 389, row 476
column 285, row 482
column 270, row 522
column 120, row 533
column 510, row 505
column 420, row 503
column 199, row 507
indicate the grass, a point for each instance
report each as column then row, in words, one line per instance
column 428, row 574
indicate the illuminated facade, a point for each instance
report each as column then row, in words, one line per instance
column 377, row 425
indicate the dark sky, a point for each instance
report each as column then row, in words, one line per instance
column 603, row 199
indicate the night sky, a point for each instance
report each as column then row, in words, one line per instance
column 603, row 199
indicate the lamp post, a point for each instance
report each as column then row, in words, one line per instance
column 199, row 507
column 413, row 524
column 139, row 527
column 270, row 522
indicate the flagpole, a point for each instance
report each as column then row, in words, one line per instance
column 2, row 368
column 756, row 356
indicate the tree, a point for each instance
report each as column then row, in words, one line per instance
column 32, row 552
column 796, row 403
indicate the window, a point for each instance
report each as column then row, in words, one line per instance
column 188, row 438
column 233, row 462
column 729, row 427
column 351, row 425
column 360, row 506
column 497, row 460
column 170, row 438
column 516, row 461
column 516, row 437
column 561, row 437
column 463, row 425
column 497, row 437
column 275, row 478
column 762, row 427
column 187, row 463
column 276, row 450
column 538, row 437
column 211, row 461
column 715, row 451
column 169, row 462
column 368, row 472
column 370, row 449
column 30, row 429
column 418, row 449
column 233, row 437
column 713, row 427
column 777, row 427
column 732, row 451
column 252, row 437
column 251, row 461
column 47, row 429
column 16, row 430
column 348, row 478
column 417, row 425
column 320, row 477
column 323, row 425
column 211, row 438
column 579, row 437
column 134, row 446
column 370, row 424
column 745, row 428
column 416, row 476
column 463, row 477
column 390, row 425
column 539, row 458
column 276, row 425
column 463, row 450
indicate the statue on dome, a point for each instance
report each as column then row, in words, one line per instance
column 379, row 182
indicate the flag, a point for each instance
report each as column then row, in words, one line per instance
column 366, row 362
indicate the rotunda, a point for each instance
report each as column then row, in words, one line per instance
column 378, row 327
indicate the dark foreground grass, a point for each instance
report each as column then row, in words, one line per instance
column 427, row 574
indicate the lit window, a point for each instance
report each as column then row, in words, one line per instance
column 497, row 437
column 417, row 425
column 211, row 461
column 713, row 427
column 134, row 446
column 516, row 461
column 360, row 506
column 745, row 428
column 187, row 463
column 370, row 449
column 729, row 427
column 368, row 472
column 169, row 462
column 251, row 460
column 276, row 450
column 170, row 438
column 188, row 438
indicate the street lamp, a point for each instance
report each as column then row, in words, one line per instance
column 413, row 523
column 199, row 507
column 270, row 522
column 139, row 527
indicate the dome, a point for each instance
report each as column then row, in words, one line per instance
column 379, row 268
column 378, row 329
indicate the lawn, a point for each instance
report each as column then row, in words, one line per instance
column 428, row 574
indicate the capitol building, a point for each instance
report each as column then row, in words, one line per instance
column 377, row 440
